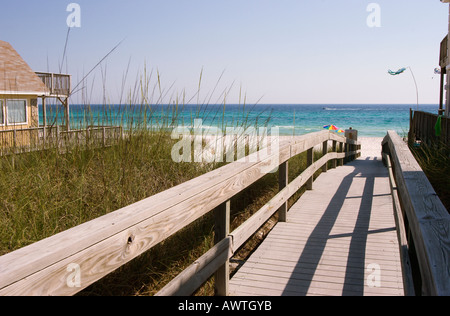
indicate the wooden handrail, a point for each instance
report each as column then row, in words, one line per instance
column 102, row 245
column 408, row 283
column 427, row 219
column 185, row 283
column 197, row 273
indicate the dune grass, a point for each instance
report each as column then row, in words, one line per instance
column 49, row 191
column 435, row 162
column 46, row 192
column 148, row 273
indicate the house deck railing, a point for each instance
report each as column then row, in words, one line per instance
column 58, row 84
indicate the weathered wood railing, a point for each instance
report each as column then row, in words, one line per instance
column 443, row 62
column 67, row 262
column 30, row 139
column 426, row 226
column 422, row 126
column 443, row 54
column 58, row 84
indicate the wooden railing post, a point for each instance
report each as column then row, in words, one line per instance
column 309, row 162
column 346, row 149
column 57, row 136
column 52, row 85
column 104, row 136
column 283, row 180
column 14, row 140
column 44, row 134
column 324, row 152
column 221, row 231
column 350, row 150
column 334, row 149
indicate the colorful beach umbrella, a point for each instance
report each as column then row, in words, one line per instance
column 341, row 131
column 331, row 127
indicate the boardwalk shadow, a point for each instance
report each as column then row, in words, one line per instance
column 321, row 234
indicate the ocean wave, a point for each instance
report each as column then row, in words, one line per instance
column 342, row 109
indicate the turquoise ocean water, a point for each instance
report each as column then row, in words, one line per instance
column 370, row 120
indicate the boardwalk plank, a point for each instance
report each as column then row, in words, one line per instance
column 339, row 239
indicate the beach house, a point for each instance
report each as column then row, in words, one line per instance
column 20, row 90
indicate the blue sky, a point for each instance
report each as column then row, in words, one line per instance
column 283, row 51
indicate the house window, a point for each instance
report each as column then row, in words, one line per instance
column 2, row 116
column 16, row 111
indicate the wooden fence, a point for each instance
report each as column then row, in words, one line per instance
column 67, row 262
column 18, row 141
column 423, row 222
column 58, row 84
column 422, row 127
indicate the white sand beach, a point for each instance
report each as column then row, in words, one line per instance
column 370, row 146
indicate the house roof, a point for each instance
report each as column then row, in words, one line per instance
column 16, row 76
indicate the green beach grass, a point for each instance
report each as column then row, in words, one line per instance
column 435, row 162
column 48, row 191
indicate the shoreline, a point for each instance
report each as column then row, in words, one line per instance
column 291, row 119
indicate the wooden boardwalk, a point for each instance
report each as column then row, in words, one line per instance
column 339, row 239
